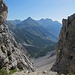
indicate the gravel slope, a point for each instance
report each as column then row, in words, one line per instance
column 43, row 65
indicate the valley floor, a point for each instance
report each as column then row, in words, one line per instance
column 43, row 65
column 45, row 62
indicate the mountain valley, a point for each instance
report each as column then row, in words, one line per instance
column 37, row 36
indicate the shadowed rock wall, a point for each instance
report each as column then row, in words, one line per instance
column 65, row 61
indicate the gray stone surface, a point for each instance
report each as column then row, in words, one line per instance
column 3, row 12
column 65, row 62
column 12, row 54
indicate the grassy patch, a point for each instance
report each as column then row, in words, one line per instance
column 12, row 71
column 70, row 74
column 3, row 72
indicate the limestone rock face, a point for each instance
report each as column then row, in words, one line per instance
column 12, row 54
column 3, row 12
column 65, row 61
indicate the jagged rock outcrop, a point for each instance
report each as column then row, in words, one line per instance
column 12, row 55
column 3, row 12
column 65, row 61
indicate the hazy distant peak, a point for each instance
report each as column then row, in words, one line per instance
column 42, row 19
column 57, row 22
column 16, row 21
column 29, row 18
column 48, row 19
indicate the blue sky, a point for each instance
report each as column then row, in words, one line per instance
column 37, row 9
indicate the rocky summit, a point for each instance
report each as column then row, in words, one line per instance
column 65, row 62
column 12, row 55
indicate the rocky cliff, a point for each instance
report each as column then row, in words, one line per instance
column 12, row 55
column 65, row 61
column 3, row 11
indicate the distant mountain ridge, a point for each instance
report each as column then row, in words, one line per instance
column 50, row 27
column 53, row 26
column 37, row 36
column 17, row 21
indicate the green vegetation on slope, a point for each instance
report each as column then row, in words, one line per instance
column 3, row 72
